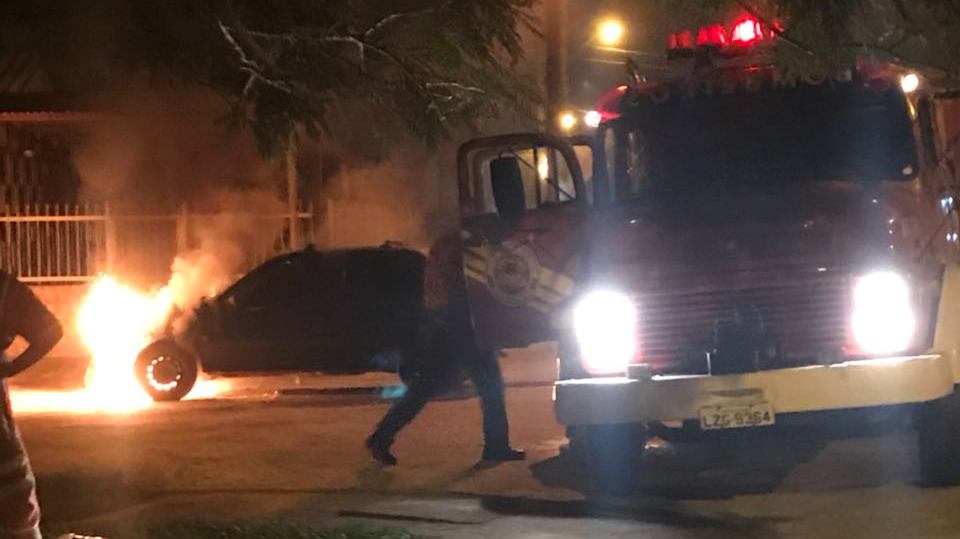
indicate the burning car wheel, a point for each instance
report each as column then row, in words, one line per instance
column 166, row 371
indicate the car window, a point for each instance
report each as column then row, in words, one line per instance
column 585, row 157
column 547, row 179
column 386, row 274
column 278, row 282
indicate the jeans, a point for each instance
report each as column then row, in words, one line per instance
column 483, row 369
column 19, row 511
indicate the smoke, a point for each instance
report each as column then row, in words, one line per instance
column 227, row 242
column 159, row 150
column 158, row 147
column 400, row 199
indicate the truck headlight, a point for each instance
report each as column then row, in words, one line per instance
column 883, row 321
column 605, row 323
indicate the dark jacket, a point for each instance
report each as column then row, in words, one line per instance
column 446, row 340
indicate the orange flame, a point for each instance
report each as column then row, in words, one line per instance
column 115, row 322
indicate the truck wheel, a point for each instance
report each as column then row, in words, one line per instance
column 938, row 441
column 610, row 456
column 166, row 371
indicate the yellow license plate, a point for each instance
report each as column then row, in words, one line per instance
column 737, row 417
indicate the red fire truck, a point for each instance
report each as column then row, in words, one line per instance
column 737, row 251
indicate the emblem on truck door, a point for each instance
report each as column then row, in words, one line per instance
column 512, row 274
column 515, row 277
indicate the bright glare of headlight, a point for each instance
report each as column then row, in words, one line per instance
column 605, row 324
column 910, row 83
column 883, row 319
column 592, row 118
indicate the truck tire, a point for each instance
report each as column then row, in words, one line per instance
column 938, row 441
column 166, row 371
column 610, row 456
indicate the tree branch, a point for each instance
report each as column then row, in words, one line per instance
column 362, row 46
column 390, row 19
column 441, row 94
column 889, row 50
column 454, row 85
column 248, row 65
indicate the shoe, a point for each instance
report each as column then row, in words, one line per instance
column 381, row 452
column 503, row 454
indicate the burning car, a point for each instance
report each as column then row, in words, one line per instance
column 307, row 311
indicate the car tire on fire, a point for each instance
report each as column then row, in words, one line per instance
column 166, row 371
column 938, row 441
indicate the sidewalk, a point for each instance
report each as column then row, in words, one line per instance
column 451, row 517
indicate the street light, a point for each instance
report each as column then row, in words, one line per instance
column 610, row 32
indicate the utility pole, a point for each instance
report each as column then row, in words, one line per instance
column 555, row 80
column 293, row 191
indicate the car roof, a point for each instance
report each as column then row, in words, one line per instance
column 344, row 255
column 310, row 252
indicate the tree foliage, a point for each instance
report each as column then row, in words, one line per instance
column 289, row 65
column 923, row 34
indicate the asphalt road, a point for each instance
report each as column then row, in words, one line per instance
column 260, row 454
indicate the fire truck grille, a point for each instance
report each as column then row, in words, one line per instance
column 806, row 315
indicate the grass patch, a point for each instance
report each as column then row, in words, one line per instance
column 263, row 530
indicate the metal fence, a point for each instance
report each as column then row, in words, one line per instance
column 53, row 243
column 75, row 243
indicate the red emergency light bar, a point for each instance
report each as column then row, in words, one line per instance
column 712, row 36
column 681, row 40
column 747, row 31
column 609, row 103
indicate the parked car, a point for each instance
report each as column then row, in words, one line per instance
column 308, row 311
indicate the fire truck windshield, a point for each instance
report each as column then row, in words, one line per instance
column 831, row 131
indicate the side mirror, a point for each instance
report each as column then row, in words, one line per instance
column 508, row 192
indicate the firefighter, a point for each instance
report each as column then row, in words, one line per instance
column 439, row 358
column 25, row 316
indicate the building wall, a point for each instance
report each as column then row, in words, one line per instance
column 34, row 167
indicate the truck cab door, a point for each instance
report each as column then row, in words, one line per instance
column 523, row 198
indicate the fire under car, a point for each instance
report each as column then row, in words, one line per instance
column 308, row 311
